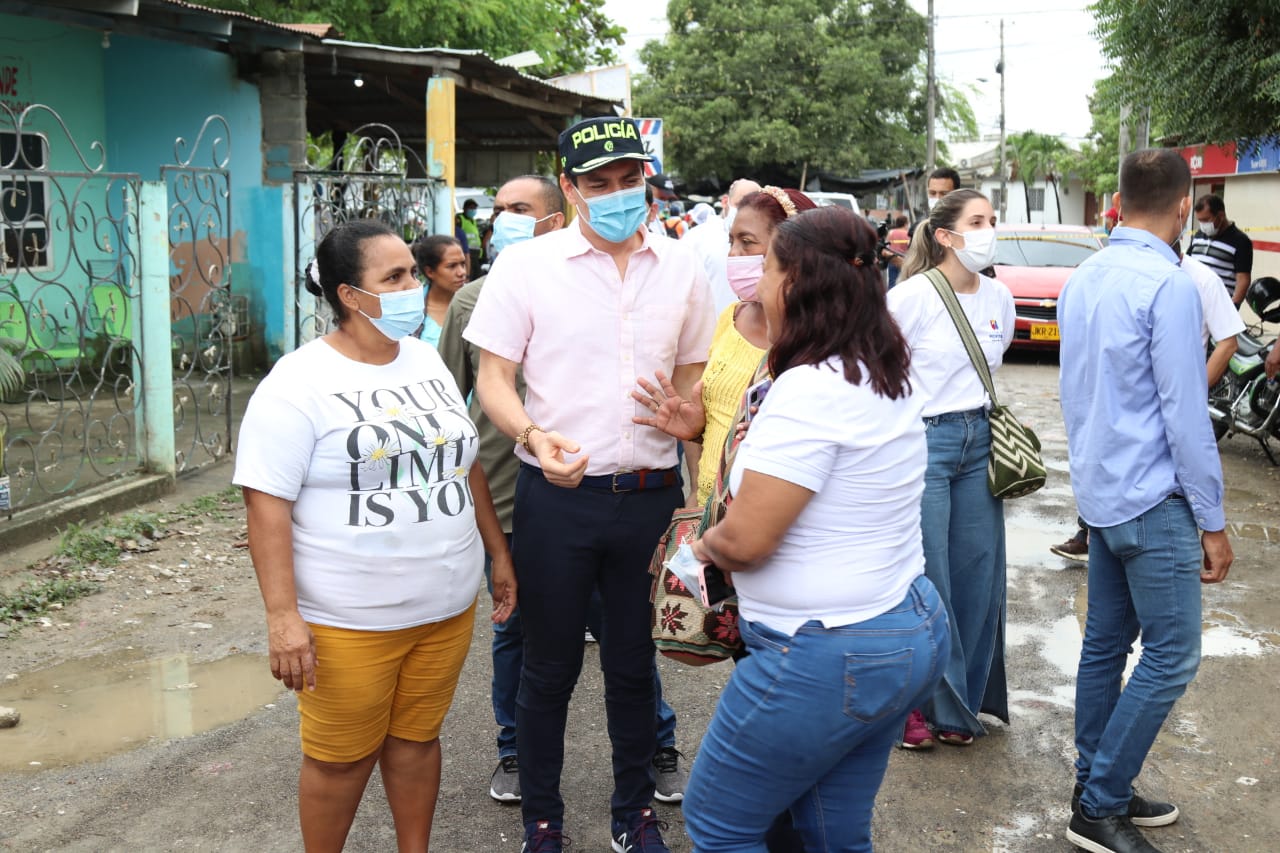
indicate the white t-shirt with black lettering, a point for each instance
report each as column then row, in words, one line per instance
column 375, row 459
column 940, row 366
column 856, row 547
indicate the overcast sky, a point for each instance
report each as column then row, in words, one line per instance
column 1051, row 57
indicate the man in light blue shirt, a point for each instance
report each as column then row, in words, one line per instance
column 1147, row 478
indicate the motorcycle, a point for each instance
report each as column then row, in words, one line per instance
column 1244, row 401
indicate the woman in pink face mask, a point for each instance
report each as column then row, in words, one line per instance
column 741, row 338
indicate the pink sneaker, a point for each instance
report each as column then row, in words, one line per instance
column 916, row 735
column 955, row 738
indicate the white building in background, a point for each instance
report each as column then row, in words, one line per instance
column 1040, row 201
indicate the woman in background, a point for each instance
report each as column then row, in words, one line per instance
column 963, row 524
column 442, row 262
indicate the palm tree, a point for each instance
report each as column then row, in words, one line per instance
column 1038, row 155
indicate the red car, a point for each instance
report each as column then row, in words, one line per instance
column 1034, row 261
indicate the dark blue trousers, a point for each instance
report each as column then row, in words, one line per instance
column 565, row 544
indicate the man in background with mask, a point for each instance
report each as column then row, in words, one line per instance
column 941, row 182
column 585, row 311
column 1147, row 479
column 710, row 241
column 1222, row 247
column 525, row 207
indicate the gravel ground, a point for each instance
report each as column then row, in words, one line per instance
column 156, row 726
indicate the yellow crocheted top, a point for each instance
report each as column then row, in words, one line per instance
column 730, row 365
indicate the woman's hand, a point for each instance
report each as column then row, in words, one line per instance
column 293, row 651
column 740, row 431
column 674, row 415
column 503, row 574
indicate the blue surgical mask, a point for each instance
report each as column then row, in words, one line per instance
column 618, row 215
column 402, row 312
column 512, row 228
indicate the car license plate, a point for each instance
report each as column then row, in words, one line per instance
column 1044, row 331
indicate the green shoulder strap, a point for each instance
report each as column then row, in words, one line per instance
column 971, row 345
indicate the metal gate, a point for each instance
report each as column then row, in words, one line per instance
column 205, row 318
column 366, row 177
column 69, row 311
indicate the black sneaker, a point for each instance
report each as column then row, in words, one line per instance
column 642, row 833
column 1142, row 812
column 543, row 836
column 1114, row 834
column 504, row 785
column 669, row 777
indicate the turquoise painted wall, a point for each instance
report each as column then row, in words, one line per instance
column 61, row 68
column 184, row 85
column 136, row 97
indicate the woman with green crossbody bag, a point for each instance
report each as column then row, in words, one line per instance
column 962, row 521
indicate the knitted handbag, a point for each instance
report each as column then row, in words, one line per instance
column 683, row 628
column 1014, row 468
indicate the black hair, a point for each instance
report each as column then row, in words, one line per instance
column 1211, row 202
column 552, row 198
column 1153, row 180
column 428, row 252
column 834, row 302
column 340, row 260
column 470, row 203
column 946, row 174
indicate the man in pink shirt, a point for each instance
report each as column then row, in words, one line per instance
column 585, row 311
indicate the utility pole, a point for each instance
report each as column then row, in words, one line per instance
column 1004, row 174
column 931, row 144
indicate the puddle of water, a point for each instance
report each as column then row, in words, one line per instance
column 87, row 709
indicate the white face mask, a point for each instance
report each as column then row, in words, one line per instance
column 1208, row 229
column 979, row 250
column 930, row 202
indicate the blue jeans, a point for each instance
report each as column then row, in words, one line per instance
column 963, row 532
column 569, row 544
column 1144, row 575
column 807, row 723
column 508, row 657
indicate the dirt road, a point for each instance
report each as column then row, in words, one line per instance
column 150, row 721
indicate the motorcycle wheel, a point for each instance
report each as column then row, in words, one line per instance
column 1222, row 395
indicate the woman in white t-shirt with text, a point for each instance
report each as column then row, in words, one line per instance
column 368, row 523
column 844, row 632
column 963, row 525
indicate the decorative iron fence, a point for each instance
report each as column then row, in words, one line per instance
column 367, row 177
column 205, row 318
column 69, row 310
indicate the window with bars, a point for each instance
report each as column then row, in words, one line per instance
column 1035, row 198
column 24, row 201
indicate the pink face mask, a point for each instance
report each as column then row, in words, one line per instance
column 744, row 273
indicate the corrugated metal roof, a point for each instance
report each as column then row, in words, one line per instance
column 301, row 29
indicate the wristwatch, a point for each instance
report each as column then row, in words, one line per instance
column 523, row 438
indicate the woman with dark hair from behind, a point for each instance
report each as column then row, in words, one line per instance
column 964, row 552
column 443, row 266
column 822, row 540
column 366, row 516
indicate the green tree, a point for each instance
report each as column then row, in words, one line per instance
column 1099, row 161
column 778, row 88
column 1038, row 155
column 569, row 34
column 1210, row 70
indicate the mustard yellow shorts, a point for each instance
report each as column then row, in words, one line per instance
column 370, row 684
